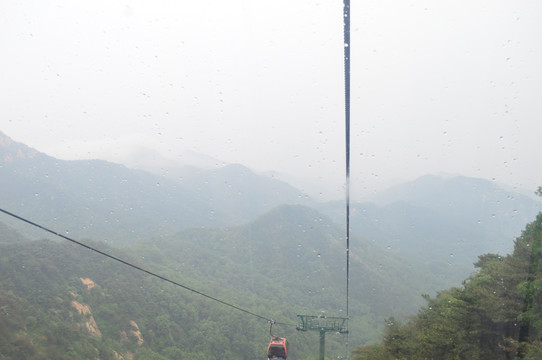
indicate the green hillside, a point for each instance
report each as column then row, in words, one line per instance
column 496, row 314
column 289, row 261
column 59, row 301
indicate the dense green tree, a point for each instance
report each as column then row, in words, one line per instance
column 497, row 314
column 372, row 352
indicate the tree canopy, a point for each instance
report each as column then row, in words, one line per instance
column 496, row 314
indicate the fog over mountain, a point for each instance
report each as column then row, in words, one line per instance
column 445, row 221
column 228, row 227
column 103, row 200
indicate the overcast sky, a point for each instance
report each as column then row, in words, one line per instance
column 437, row 86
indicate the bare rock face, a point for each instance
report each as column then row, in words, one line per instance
column 90, row 323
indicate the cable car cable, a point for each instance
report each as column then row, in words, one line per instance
column 346, row 19
column 136, row 267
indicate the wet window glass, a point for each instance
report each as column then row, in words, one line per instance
column 174, row 182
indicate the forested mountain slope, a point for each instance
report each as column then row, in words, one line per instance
column 62, row 302
column 288, row 262
column 225, row 231
column 496, row 314
column 7, row 234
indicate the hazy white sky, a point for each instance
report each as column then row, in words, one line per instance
column 437, row 86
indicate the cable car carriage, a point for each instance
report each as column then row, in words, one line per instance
column 278, row 348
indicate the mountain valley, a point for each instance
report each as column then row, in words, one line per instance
column 243, row 237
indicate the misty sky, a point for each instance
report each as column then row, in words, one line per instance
column 437, row 86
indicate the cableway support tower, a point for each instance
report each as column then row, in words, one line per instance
column 322, row 324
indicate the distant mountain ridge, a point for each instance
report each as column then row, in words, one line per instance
column 474, row 206
column 102, row 200
column 447, row 222
column 11, row 151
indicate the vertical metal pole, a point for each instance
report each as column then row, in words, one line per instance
column 322, row 343
column 346, row 18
